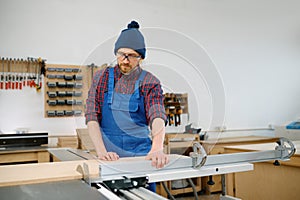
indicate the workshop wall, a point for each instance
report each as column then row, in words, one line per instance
column 237, row 60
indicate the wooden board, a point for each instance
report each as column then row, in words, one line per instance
column 45, row 172
column 71, row 142
column 84, row 140
column 24, row 156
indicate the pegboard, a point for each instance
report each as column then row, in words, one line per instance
column 66, row 88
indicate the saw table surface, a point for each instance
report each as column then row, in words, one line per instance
column 62, row 190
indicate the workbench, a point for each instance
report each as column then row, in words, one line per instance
column 24, row 155
column 266, row 181
column 216, row 146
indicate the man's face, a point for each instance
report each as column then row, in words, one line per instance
column 127, row 59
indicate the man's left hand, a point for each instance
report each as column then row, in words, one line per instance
column 159, row 158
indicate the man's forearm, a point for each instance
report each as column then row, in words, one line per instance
column 158, row 134
column 157, row 156
column 96, row 137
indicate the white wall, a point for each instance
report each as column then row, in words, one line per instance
column 238, row 59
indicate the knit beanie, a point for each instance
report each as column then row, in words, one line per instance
column 131, row 38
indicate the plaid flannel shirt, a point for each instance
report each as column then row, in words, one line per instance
column 150, row 89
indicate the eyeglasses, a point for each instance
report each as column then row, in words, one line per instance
column 129, row 57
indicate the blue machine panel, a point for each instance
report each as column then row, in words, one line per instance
column 293, row 125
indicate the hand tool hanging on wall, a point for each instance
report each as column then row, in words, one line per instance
column 30, row 81
column 92, row 66
column 33, row 75
column 174, row 108
column 177, row 116
column 9, row 71
column 16, row 75
column 41, row 71
column 2, row 75
column 6, row 75
column 28, row 77
column 20, row 82
column 24, row 72
column 12, row 75
column 38, row 74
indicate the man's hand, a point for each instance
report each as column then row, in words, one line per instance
column 108, row 156
column 159, row 158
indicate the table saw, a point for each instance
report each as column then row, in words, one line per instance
column 127, row 178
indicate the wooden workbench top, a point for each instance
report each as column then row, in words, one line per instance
column 11, row 175
column 23, row 149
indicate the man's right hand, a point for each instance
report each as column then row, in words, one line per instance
column 108, row 156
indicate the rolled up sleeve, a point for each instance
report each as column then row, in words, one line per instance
column 154, row 100
column 94, row 100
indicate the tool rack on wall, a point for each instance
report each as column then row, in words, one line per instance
column 65, row 90
column 175, row 105
column 17, row 73
column 65, row 86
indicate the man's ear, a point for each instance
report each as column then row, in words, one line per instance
column 140, row 61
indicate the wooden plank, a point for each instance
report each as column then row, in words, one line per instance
column 85, row 141
column 19, row 157
column 43, row 156
column 24, row 155
column 11, row 175
column 71, row 141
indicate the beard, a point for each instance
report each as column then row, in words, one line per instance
column 125, row 67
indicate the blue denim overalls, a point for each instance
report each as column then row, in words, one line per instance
column 124, row 125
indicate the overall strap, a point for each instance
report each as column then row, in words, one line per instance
column 138, row 83
column 111, row 83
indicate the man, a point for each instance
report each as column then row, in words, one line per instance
column 123, row 102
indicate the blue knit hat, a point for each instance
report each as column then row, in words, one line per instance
column 131, row 38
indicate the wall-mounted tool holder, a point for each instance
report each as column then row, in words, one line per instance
column 17, row 73
column 66, row 88
column 175, row 106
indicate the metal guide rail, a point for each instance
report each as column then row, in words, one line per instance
column 127, row 178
